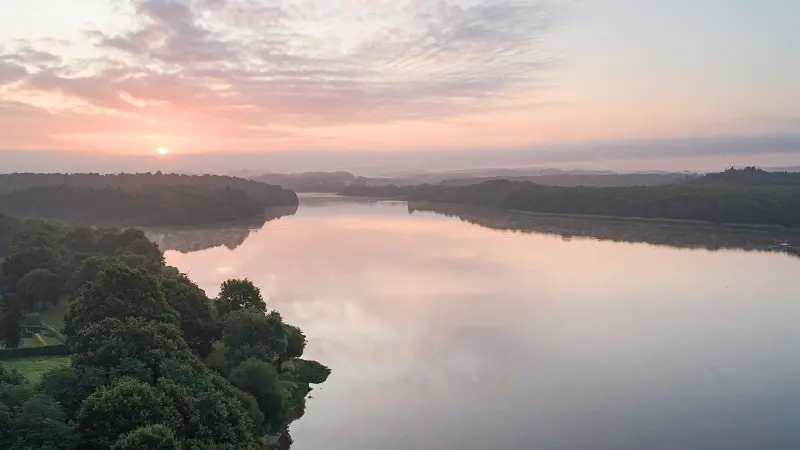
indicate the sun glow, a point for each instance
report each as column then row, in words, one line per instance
column 163, row 150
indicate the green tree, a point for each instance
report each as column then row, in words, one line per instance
column 70, row 385
column 88, row 271
column 198, row 318
column 295, row 341
column 119, row 292
column 40, row 424
column 131, row 346
column 260, row 379
column 122, row 407
column 80, row 240
column 150, row 437
column 24, row 260
column 10, row 321
column 145, row 248
column 236, row 295
column 250, row 333
column 39, row 288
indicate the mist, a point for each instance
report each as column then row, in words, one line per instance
column 692, row 154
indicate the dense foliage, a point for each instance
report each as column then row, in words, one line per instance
column 748, row 196
column 707, row 236
column 264, row 194
column 138, row 199
column 153, row 365
column 179, row 205
column 309, row 181
column 237, row 295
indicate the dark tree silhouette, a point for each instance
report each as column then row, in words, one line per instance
column 10, row 321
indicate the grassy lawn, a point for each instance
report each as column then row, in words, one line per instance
column 32, row 342
column 34, row 368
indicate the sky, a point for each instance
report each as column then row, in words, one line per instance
column 311, row 80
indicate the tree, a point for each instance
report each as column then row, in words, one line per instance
column 197, row 316
column 236, row 295
column 150, row 437
column 24, row 260
column 70, row 386
column 38, row 288
column 131, row 346
column 80, row 240
column 10, row 321
column 260, row 379
column 122, row 407
column 113, row 240
column 251, row 334
column 88, row 271
column 40, row 424
column 119, row 292
column 295, row 341
column 146, row 248
column 198, row 419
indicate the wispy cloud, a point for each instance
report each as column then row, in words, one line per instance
column 249, row 65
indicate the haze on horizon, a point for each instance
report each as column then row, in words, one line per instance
column 405, row 84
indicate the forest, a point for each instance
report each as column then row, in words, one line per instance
column 153, row 362
column 741, row 196
column 265, row 194
column 138, row 199
column 331, row 182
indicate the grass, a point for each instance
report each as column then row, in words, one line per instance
column 34, row 368
column 32, row 342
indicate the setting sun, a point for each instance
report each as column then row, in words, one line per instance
column 163, row 150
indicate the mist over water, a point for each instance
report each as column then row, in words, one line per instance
column 472, row 331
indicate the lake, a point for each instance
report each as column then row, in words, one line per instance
column 473, row 330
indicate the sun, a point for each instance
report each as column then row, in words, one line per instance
column 163, row 150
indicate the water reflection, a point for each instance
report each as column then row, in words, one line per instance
column 672, row 234
column 446, row 335
column 231, row 236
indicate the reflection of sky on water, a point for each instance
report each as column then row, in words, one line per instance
column 445, row 335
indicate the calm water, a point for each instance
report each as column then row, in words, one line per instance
column 446, row 334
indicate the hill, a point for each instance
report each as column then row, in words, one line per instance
column 747, row 196
column 331, row 182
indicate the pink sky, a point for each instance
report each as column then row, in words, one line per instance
column 129, row 76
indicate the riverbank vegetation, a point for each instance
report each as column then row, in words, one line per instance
column 746, row 196
column 139, row 199
column 154, row 362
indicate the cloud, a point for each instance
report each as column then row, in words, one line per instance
column 11, row 72
column 301, row 63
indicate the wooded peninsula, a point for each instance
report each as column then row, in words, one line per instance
column 136, row 355
column 139, row 199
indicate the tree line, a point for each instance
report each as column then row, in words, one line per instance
column 264, row 194
column 745, row 196
column 155, row 363
column 139, row 199
column 145, row 206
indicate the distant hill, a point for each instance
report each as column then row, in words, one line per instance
column 596, row 180
column 749, row 176
column 747, row 196
column 331, row 182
